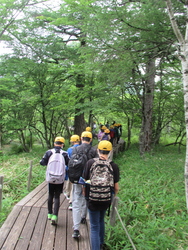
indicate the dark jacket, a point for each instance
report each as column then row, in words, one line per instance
column 91, row 151
column 45, row 158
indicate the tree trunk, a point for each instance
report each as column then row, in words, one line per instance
column 79, row 121
column 129, row 127
column 147, row 108
column 185, row 83
column 183, row 55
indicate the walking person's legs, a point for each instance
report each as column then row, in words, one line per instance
column 94, row 217
column 76, row 208
column 102, row 226
column 50, row 200
column 58, row 190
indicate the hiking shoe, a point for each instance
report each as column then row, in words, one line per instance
column 76, row 234
column 49, row 216
column 83, row 221
column 54, row 220
column 70, row 206
column 67, row 196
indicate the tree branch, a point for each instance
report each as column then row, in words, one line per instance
column 174, row 23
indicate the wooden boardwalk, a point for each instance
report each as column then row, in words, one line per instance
column 27, row 227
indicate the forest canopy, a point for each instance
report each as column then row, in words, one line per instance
column 73, row 63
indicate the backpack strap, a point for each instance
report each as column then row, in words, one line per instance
column 84, row 150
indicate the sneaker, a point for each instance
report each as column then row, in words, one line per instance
column 76, row 234
column 49, row 216
column 67, row 196
column 70, row 206
column 83, row 221
column 54, row 220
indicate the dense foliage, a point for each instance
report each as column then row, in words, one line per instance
column 76, row 62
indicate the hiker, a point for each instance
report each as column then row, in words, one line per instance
column 101, row 132
column 98, row 202
column 116, row 133
column 88, row 129
column 107, row 124
column 55, row 190
column 106, row 135
column 79, row 207
column 112, row 134
column 119, row 126
column 75, row 141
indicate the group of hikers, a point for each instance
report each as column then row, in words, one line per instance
column 90, row 179
column 110, row 133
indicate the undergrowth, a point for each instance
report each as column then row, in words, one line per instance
column 152, row 202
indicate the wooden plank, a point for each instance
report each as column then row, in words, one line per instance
column 64, row 202
column 71, row 242
column 28, row 228
column 14, row 235
column 8, row 224
column 61, row 232
column 84, row 241
column 49, row 236
column 42, row 202
column 32, row 194
column 37, row 197
column 37, row 237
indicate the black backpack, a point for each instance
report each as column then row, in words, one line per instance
column 77, row 163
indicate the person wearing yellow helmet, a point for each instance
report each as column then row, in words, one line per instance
column 79, row 208
column 54, row 190
column 104, row 174
column 106, row 135
column 88, row 129
column 101, row 132
column 112, row 134
column 115, row 133
column 75, row 141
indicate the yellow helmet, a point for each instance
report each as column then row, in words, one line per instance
column 59, row 139
column 107, row 131
column 75, row 138
column 105, row 145
column 87, row 134
column 103, row 127
column 88, row 129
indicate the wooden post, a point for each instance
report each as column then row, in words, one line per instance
column 1, row 191
column 30, row 176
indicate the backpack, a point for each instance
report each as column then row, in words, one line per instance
column 56, row 169
column 102, row 181
column 105, row 137
column 77, row 163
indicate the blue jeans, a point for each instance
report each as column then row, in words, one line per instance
column 97, row 228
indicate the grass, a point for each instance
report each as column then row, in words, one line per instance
column 15, row 169
column 152, row 202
